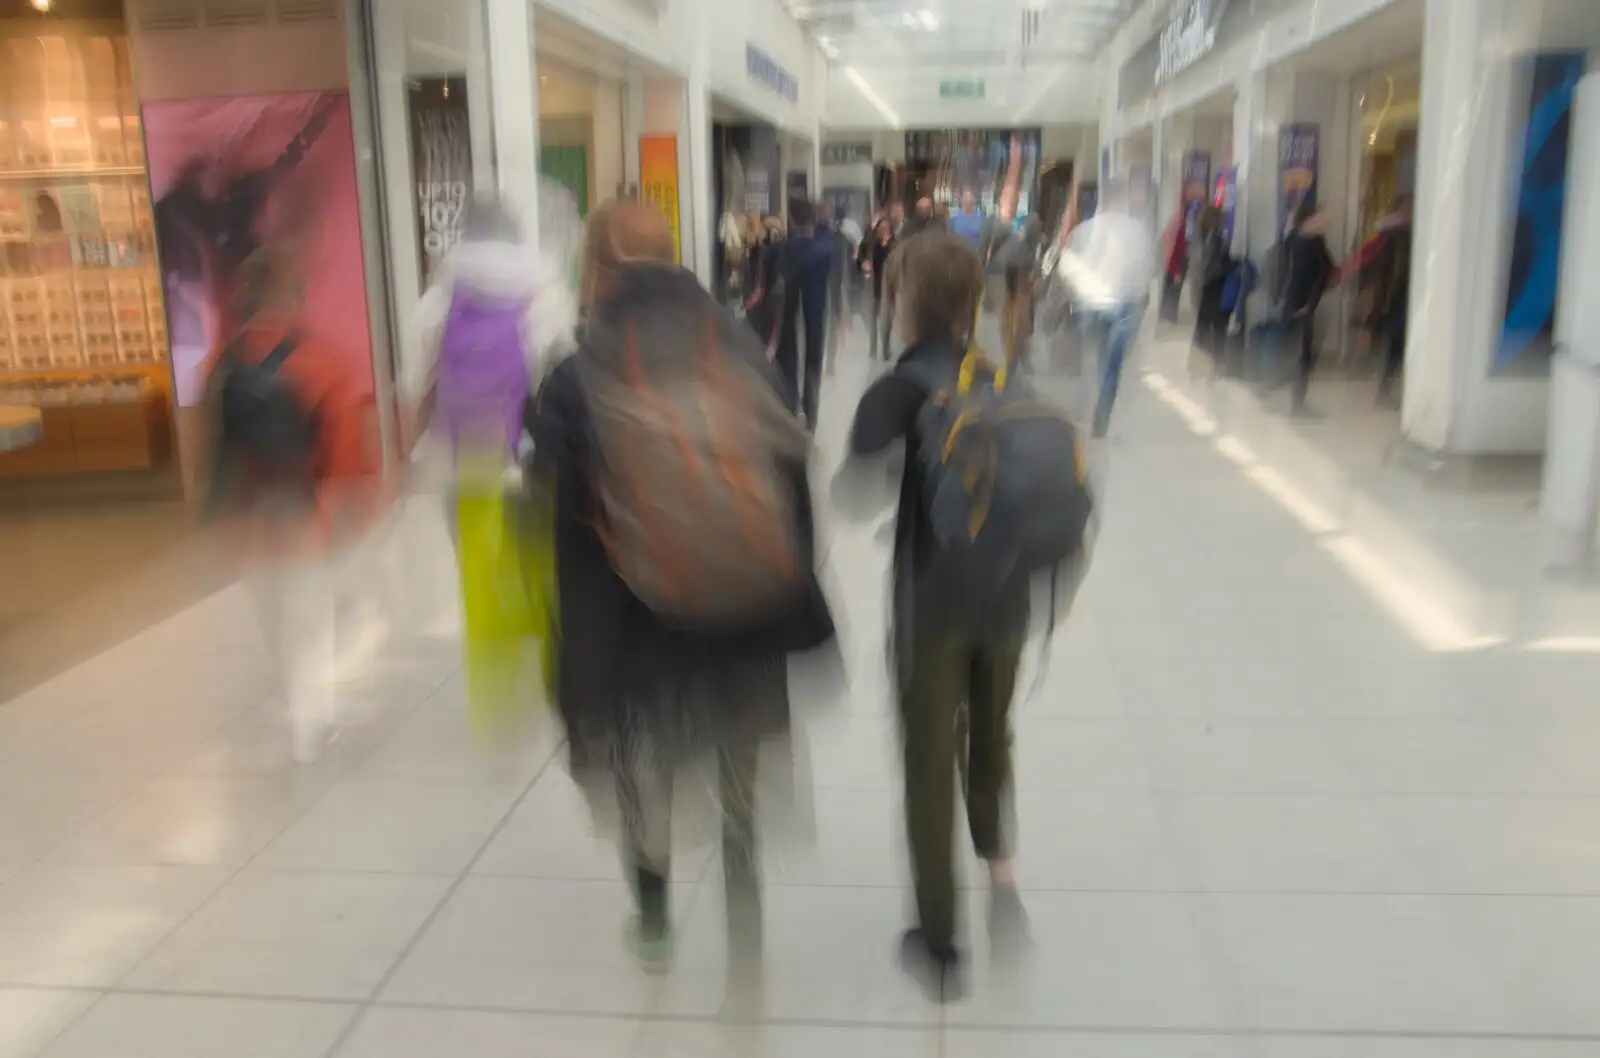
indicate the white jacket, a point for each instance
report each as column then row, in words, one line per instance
column 499, row 270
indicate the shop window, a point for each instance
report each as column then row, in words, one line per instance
column 82, row 328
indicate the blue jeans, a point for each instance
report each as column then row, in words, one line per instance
column 1116, row 328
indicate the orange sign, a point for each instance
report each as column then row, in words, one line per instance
column 658, row 181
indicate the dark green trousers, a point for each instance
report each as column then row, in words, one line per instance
column 955, row 712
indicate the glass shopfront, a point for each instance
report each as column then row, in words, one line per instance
column 83, row 335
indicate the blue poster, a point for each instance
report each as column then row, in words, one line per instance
column 1226, row 198
column 1528, row 334
column 1195, row 188
column 1297, row 171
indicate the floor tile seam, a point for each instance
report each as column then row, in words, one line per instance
column 410, row 946
column 246, row 865
column 908, row 1028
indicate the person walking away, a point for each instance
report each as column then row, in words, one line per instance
column 841, row 262
column 1209, row 266
column 1308, row 271
column 1109, row 262
column 969, row 222
column 295, row 478
column 980, row 449
column 685, row 562
column 875, row 261
column 763, row 308
column 920, row 223
column 806, row 262
column 1387, row 255
column 498, row 313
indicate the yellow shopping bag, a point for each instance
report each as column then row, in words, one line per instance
column 505, row 613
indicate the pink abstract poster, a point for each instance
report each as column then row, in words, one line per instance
column 230, row 175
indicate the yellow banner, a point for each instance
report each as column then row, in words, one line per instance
column 658, row 181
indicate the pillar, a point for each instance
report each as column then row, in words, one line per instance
column 632, row 128
column 1474, row 105
column 514, row 90
column 699, row 212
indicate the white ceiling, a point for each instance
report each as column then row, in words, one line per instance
column 890, row 57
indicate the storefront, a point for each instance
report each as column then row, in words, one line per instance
column 556, row 128
column 146, row 152
column 1455, row 121
column 83, row 330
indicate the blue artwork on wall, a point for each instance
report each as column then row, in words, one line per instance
column 1528, row 333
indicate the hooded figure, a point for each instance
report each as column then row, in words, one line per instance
column 491, row 272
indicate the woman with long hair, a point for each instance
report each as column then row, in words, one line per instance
column 644, row 692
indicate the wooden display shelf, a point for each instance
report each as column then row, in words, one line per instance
column 89, row 438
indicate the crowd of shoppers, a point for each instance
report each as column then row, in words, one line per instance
column 668, row 442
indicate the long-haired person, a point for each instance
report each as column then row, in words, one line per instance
column 684, row 560
column 875, row 261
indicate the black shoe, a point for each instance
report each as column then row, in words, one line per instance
column 1008, row 922
column 937, row 970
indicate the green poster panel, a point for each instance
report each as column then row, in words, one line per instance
column 570, row 166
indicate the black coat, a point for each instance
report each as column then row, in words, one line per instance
column 619, row 664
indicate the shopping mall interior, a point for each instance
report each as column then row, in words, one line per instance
column 1303, row 768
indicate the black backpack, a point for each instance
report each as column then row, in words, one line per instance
column 265, row 432
column 1004, row 483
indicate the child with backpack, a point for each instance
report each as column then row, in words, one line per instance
column 992, row 498
column 684, row 555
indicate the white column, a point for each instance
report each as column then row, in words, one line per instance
column 480, row 101
column 632, row 127
column 699, row 212
column 816, row 160
column 515, row 91
column 1571, row 497
column 1247, row 156
column 1474, row 100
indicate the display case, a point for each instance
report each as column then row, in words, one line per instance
column 82, row 326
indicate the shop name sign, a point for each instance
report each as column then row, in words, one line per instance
column 764, row 69
column 961, row 89
column 1189, row 37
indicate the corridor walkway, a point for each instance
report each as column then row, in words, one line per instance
column 1315, row 774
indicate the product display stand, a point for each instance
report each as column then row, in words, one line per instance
column 19, row 427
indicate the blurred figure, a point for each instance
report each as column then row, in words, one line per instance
column 919, row 221
column 956, row 652
column 1208, row 274
column 1108, row 262
column 1386, row 257
column 841, row 255
column 875, row 262
column 497, row 314
column 764, row 304
column 969, row 221
column 684, row 561
column 1306, row 272
column 1016, row 316
column 806, row 264
column 295, row 476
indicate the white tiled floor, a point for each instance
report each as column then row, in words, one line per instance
column 1299, row 785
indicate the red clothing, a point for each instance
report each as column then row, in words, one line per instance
column 348, row 461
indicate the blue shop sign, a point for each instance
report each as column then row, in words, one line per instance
column 764, row 69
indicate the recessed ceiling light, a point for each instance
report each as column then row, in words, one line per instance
column 43, row 5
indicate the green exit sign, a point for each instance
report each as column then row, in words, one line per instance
column 960, row 89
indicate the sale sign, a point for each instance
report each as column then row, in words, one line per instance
column 658, row 181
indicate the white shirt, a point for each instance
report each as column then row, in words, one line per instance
column 1109, row 261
